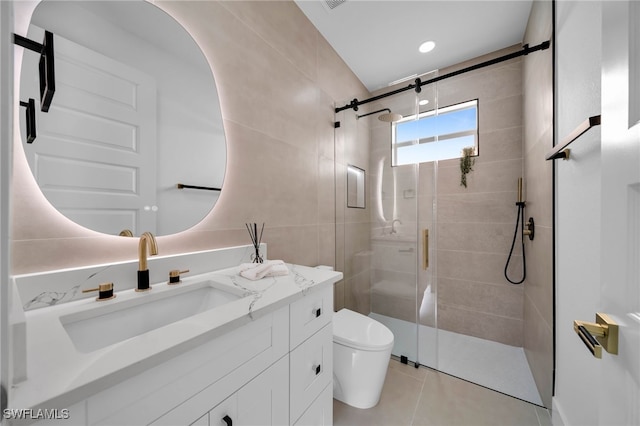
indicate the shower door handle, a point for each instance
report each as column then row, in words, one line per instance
column 425, row 248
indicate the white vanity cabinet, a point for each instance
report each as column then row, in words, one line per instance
column 297, row 389
column 295, row 385
column 181, row 390
column 260, row 355
column 274, row 370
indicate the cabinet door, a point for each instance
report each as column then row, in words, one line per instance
column 225, row 413
column 202, row 421
column 265, row 399
column 320, row 413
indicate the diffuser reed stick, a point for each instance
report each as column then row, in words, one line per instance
column 256, row 240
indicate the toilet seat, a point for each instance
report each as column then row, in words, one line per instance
column 360, row 332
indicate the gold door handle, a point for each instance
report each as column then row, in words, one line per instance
column 601, row 334
column 425, row 248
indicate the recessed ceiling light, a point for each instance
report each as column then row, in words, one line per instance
column 423, row 102
column 427, row 46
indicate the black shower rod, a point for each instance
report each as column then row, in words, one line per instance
column 418, row 83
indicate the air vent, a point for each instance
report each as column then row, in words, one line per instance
column 332, row 4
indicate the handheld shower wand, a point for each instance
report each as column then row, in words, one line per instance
column 519, row 192
column 520, row 203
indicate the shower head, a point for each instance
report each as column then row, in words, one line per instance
column 389, row 117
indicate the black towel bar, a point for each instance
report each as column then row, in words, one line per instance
column 206, row 188
column 558, row 151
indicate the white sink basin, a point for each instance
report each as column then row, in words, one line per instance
column 124, row 318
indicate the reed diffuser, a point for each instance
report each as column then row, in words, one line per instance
column 256, row 240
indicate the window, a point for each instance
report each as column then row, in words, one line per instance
column 439, row 134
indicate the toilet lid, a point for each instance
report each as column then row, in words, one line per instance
column 360, row 332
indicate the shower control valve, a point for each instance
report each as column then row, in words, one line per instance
column 530, row 229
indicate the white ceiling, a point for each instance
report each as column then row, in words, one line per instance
column 379, row 39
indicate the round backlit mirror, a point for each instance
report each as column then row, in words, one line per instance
column 133, row 139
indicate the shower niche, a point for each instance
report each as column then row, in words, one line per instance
column 356, row 187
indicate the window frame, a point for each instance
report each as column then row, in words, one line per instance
column 436, row 138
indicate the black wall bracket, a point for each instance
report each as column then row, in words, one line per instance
column 46, row 67
column 31, row 119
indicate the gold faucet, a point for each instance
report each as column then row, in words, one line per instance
column 146, row 240
column 125, row 233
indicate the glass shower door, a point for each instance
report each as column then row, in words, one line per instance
column 402, row 236
column 395, row 256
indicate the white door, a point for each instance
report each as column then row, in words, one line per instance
column 619, row 384
column 95, row 153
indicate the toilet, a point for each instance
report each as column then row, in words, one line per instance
column 361, row 352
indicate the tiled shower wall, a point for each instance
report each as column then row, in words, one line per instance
column 278, row 81
column 475, row 225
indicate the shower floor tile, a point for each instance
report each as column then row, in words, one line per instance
column 497, row 366
column 494, row 365
column 427, row 397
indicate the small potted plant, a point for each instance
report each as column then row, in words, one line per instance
column 466, row 164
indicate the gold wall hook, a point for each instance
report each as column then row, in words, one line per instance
column 601, row 334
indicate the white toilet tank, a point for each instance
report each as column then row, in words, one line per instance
column 361, row 353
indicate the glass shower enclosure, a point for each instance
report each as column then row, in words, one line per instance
column 425, row 255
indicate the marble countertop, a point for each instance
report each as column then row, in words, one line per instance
column 59, row 375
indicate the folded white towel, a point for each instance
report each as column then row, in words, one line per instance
column 256, row 271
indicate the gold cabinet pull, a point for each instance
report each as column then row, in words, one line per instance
column 601, row 334
column 425, row 248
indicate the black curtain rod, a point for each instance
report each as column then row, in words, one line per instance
column 417, row 85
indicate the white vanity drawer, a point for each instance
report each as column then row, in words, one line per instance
column 320, row 413
column 310, row 314
column 311, row 370
column 225, row 412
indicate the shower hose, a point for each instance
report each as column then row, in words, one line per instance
column 520, row 225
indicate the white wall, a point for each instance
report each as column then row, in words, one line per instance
column 6, row 143
column 578, row 64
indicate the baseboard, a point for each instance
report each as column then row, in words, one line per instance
column 557, row 416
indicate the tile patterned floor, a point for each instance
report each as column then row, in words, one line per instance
column 427, row 397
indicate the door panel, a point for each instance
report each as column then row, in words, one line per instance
column 95, row 153
column 619, row 387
